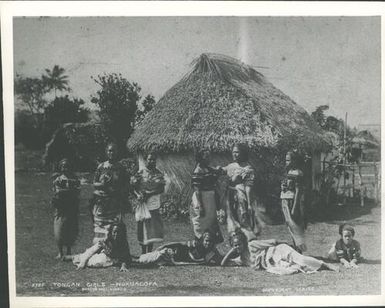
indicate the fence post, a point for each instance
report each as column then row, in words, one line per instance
column 376, row 184
column 323, row 164
column 353, row 180
column 362, row 197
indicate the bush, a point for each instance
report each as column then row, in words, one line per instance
column 26, row 132
column 117, row 100
column 172, row 208
column 63, row 110
column 83, row 143
column 120, row 107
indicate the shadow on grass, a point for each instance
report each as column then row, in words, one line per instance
column 371, row 261
column 337, row 213
column 364, row 261
column 321, row 213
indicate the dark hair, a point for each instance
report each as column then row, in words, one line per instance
column 111, row 144
column 238, row 234
column 64, row 160
column 206, row 233
column 147, row 154
column 61, row 162
column 122, row 230
column 199, row 155
column 243, row 150
column 346, row 227
column 295, row 158
column 120, row 248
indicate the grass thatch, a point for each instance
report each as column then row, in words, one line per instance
column 219, row 103
column 366, row 139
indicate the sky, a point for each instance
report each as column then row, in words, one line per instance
column 333, row 61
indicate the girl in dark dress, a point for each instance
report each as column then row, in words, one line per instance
column 204, row 207
column 110, row 182
column 65, row 202
column 292, row 200
column 346, row 250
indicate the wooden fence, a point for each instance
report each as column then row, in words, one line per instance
column 363, row 178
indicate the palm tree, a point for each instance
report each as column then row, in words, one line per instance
column 55, row 79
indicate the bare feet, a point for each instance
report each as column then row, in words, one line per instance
column 59, row 257
column 332, row 267
column 67, row 258
column 81, row 266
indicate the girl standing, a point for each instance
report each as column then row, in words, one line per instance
column 241, row 195
column 110, row 182
column 65, row 202
column 204, row 202
column 149, row 184
column 292, row 198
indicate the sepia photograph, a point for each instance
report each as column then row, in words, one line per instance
column 193, row 156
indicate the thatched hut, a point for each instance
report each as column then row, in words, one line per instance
column 219, row 103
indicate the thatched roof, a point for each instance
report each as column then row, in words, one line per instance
column 367, row 139
column 219, row 103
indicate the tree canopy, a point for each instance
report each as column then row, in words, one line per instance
column 120, row 106
column 63, row 110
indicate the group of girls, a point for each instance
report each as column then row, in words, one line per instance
column 240, row 213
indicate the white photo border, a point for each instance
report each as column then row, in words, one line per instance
column 10, row 9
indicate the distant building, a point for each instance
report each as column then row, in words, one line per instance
column 374, row 129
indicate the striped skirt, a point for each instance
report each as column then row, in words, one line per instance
column 151, row 230
column 106, row 212
column 209, row 220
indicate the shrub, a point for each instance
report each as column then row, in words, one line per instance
column 26, row 132
column 172, row 208
column 63, row 110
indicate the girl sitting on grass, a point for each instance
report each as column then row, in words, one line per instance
column 201, row 251
column 65, row 201
column 112, row 251
column 346, row 250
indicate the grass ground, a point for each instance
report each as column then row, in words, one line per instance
column 39, row 274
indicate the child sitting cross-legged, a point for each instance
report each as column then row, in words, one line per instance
column 346, row 250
